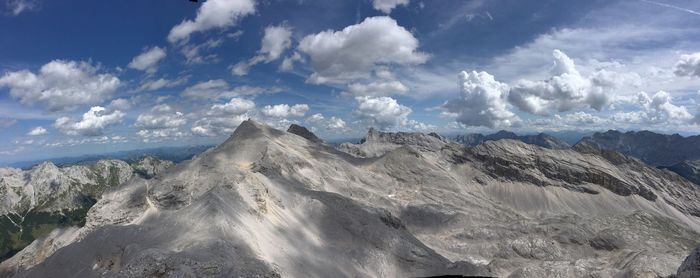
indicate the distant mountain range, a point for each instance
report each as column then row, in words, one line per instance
column 174, row 154
column 673, row 152
column 44, row 197
column 542, row 139
column 652, row 148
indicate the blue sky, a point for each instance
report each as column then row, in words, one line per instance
column 79, row 77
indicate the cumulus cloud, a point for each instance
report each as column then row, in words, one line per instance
column 222, row 119
column 161, row 122
column 333, row 123
column 284, row 110
column 656, row 109
column 212, row 14
column 387, row 5
column 37, row 131
column 482, row 101
column 61, row 85
column 276, row 40
column 688, row 65
column 148, row 60
column 567, row 89
column 92, row 123
column 19, row 6
column 161, row 116
column 352, row 53
column 384, row 112
column 384, row 84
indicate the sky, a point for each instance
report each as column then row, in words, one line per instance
column 81, row 77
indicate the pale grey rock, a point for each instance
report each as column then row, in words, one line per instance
column 272, row 203
column 377, row 143
column 46, row 187
column 150, row 166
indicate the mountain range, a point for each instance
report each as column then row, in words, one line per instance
column 541, row 139
column 278, row 203
column 34, row 201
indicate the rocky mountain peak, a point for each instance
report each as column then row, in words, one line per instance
column 377, row 143
column 304, row 132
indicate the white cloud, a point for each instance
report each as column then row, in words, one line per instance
column 206, row 89
column 92, row 123
column 212, row 14
column 19, row 6
column 567, row 89
column 162, row 116
column 37, row 131
column 333, row 123
column 384, row 84
column 222, row 119
column 234, row 106
column 148, row 60
column 219, row 89
column 157, row 84
column 378, row 88
column 482, row 101
column 349, row 54
column 387, row 5
column 384, row 112
column 288, row 62
column 656, row 109
column 276, row 40
column 193, row 53
column 284, row 110
column 61, row 85
column 688, row 65
column 120, row 104
column 162, row 122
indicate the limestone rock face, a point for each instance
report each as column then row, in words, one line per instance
column 272, row 203
column 150, row 166
column 377, row 143
column 47, row 187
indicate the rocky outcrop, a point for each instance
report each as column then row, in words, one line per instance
column 303, row 132
column 377, row 143
column 150, row 166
